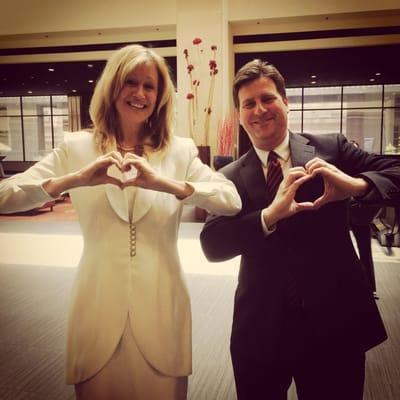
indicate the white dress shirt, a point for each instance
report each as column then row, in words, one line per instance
column 283, row 152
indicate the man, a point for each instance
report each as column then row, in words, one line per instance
column 303, row 308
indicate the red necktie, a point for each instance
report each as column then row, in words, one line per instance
column 274, row 174
column 274, row 178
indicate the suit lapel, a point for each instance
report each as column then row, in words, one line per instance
column 300, row 151
column 121, row 200
column 144, row 198
column 253, row 178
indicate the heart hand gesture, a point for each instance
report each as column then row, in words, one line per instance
column 96, row 172
column 337, row 184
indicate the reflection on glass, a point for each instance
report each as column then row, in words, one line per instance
column 295, row 121
column 60, row 105
column 325, row 121
column 36, row 105
column 362, row 96
column 322, row 97
column 392, row 96
column 60, row 125
column 391, row 131
column 38, row 140
column 11, row 136
column 10, row 106
column 294, row 96
column 363, row 126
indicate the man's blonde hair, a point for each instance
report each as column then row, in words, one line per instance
column 102, row 108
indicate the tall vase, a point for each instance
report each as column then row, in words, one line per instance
column 221, row 161
column 204, row 154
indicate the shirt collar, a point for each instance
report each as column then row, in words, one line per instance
column 283, row 151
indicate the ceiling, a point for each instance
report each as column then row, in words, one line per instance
column 72, row 78
column 340, row 66
column 337, row 66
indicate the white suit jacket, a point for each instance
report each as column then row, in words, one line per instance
column 129, row 269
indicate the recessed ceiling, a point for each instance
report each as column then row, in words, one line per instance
column 340, row 66
column 72, row 78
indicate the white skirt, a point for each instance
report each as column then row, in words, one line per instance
column 128, row 376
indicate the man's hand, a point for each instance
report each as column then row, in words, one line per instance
column 337, row 184
column 284, row 205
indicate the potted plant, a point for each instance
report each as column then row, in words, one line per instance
column 200, row 97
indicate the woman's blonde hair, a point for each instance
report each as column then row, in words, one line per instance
column 102, row 108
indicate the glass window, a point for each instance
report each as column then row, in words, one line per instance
column 391, row 131
column 322, row 97
column 295, row 121
column 41, row 127
column 38, row 138
column 295, row 98
column 324, row 121
column 36, row 105
column 363, row 126
column 60, row 105
column 392, row 96
column 10, row 106
column 11, row 136
column 362, row 96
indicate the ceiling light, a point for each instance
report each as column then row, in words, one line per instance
column 313, row 82
column 74, row 90
column 313, row 76
column 372, row 80
column 377, row 74
column 90, row 65
column 51, row 69
column 90, row 80
column 30, row 91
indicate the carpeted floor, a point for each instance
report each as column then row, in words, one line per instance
column 34, row 291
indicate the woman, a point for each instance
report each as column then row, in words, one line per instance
column 129, row 331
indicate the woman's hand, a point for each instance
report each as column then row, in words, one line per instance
column 96, row 172
column 145, row 177
column 93, row 174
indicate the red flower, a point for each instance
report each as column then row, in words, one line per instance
column 186, row 53
column 212, row 64
column 190, row 96
column 213, row 47
column 197, row 40
column 190, row 68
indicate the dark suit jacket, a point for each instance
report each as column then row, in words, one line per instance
column 314, row 245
